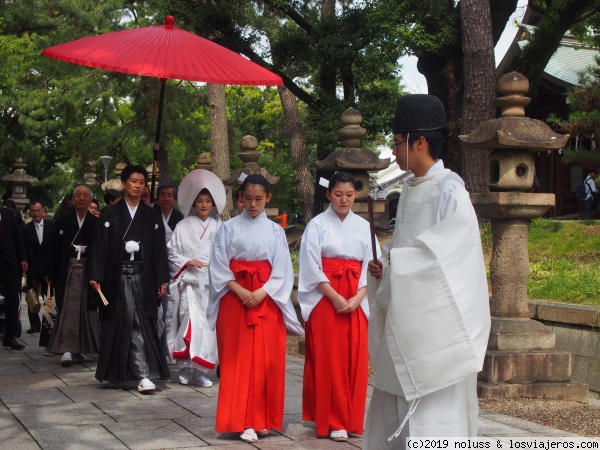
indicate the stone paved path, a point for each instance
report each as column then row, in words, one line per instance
column 44, row 405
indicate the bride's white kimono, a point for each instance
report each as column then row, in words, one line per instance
column 430, row 317
column 186, row 312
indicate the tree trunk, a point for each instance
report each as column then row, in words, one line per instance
column 219, row 142
column 480, row 83
column 304, row 186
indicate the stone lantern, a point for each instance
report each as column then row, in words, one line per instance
column 521, row 359
column 250, row 156
column 358, row 162
column 115, row 183
column 18, row 181
column 204, row 161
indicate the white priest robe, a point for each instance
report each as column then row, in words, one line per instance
column 247, row 239
column 186, row 311
column 430, row 318
column 326, row 236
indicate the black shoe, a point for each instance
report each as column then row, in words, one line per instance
column 33, row 330
column 13, row 344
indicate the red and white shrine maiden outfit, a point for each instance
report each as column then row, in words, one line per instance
column 336, row 366
column 251, row 341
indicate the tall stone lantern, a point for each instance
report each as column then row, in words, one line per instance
column 521, row 359
column 250, row 156
column 18, row 182
column 358, row 162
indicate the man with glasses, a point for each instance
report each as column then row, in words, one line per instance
column 429, row 312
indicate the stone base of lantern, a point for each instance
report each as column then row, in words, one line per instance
column 521, row 361
column 520, row 335
column 549, row 391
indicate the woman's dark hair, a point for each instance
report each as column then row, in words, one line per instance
column 256, row 178
column 435, row 139
column 206, row 192
column 131, row 169
column 341, row 177
column 110, row 195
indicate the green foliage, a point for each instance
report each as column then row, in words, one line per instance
column 563, row 258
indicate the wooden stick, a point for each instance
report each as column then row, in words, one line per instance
column 372, row 224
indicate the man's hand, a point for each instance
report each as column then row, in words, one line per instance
column 95, row 285
column 162, row 290
column 24, row 266
column 375, row 269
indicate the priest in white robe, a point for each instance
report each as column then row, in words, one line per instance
column 430, row 318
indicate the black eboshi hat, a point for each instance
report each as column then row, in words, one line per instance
column 419, row 112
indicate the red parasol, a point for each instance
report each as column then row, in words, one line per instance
column 163, row 51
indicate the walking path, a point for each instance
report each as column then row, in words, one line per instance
column 44, row 405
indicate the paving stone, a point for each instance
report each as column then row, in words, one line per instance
column 82, row 437
column 293, row 388
column 204, row 428
column 296, row 429
column 155, row 434
column 164, row 390
column 293, row 404
column 14, row 437
column 312, row 444
column 33, row 397
column 57, row 415
column 30, row 381
column 134, row 410
column 199, row 404
column 15, row 369
column 95, row 393
column 77, row 378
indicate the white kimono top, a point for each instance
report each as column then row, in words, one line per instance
column 430, row 317
column 326, row 236
column 247, row 239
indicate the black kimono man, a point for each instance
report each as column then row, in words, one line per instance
column 129, row 264
column 77, row 329
column 36, row 235
column 13, row 263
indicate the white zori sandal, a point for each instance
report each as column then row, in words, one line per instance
column 249, row 435
column 338, row 435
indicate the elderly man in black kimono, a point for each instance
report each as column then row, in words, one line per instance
column 129, row 265
column 77, row 329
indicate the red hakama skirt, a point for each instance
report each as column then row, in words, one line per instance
column 252, row 345
column 336, row 368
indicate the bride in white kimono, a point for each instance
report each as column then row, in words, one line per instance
column 190, row 340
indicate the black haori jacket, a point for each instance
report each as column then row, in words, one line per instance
column 104, row 265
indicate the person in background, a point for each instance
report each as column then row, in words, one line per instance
column 167, row 196
column 95, row 207
column 77, row 329
column 13, row 264
column 36, row 235
column 146, row 196
column 111, row 196
column 129, row 265
column 590, row 190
